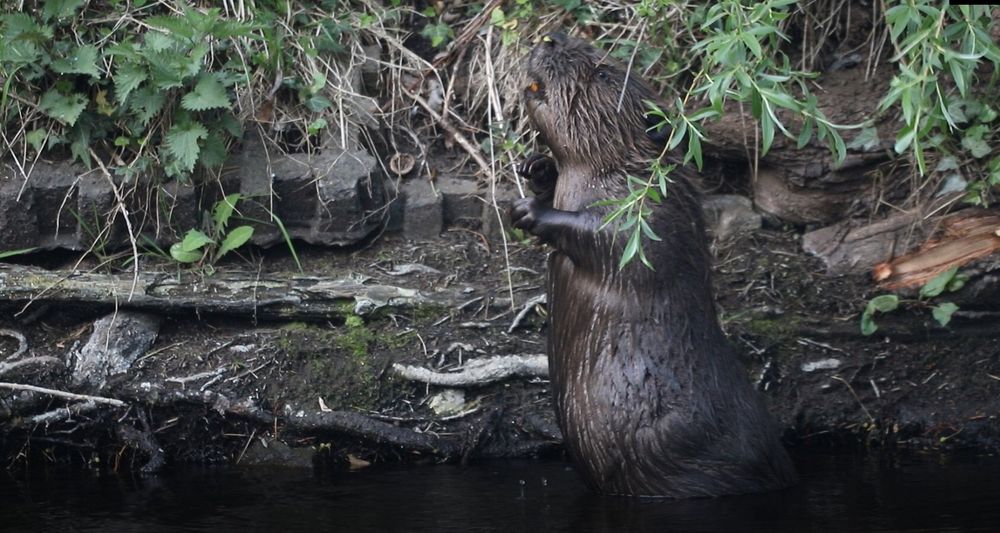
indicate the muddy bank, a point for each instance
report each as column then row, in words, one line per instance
column 204, row 386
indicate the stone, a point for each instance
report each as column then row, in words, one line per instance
column 118, row 340
column 334, row 197
column 18, row 223
column 54, row 190
column 493, row 224
column 351, row 199
column 730, row 215
column 272, row 452
column 178, row 206
column 461, row 200
column 423, row 210
column 95, row 203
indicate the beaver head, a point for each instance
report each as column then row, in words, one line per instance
column 588, row 108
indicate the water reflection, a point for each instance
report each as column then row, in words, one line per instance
column 837, row 493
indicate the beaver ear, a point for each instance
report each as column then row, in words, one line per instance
column 657, row 130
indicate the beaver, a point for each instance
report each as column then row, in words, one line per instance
column 650, row 396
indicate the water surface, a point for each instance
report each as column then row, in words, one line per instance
column 837, row 493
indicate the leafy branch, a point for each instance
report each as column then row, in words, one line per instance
column 741, row 60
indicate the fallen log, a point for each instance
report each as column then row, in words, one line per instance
column 230, row 293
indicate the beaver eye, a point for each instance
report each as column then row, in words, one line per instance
column 603, row 75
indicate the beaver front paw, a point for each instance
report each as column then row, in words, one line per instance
column 541, row 173
column 525, row 212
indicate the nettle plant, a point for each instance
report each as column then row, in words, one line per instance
column 161, row 95
column 158, row 87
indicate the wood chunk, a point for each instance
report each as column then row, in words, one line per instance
column 964, row 237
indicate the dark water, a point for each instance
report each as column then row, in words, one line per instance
column 837, row 493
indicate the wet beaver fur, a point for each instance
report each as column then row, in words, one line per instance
column 649, row 395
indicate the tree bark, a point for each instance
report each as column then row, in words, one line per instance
column 238, row 293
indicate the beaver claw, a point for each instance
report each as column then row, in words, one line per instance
column 541, row 173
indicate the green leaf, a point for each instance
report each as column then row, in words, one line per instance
column 80, row 145
column 36, row 138
column 767, row 131
column 214, row 151
column 866, row 140
column 146, row 104
column 438, row 33
column 224, row 209
column 60, row 9
column 11, row 253
column 943, row 311
column 64, row 108
column 806, row 134
column 904, row 139
column 631, row 248
column 316, row 126
column 318, row 103
column 839, row 150
column 182, row 143
column 946, row 163
column 694, row 151
column 878, row 304
column 195, row 240
column 236, row 238
column 22, row 26
column 751, row 43
column 82, row 60
column 937, row 285
column 883, row 304
column 231, row 124
column 208, row 93
column 958, row 74
column 181, row 256
column 974, row 142
column 868, row 325
column 956, row 283
column 128, row 77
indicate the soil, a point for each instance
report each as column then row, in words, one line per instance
column 909, row 385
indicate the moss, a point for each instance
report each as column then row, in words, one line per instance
column 771, row 328
column 356, row 338
column 427, row 313
column 396, row 341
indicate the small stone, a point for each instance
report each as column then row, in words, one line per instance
column 822, row 364
column 447, row 402
column 730, row 215
column 18, row 222
column 118, row 340
column 423, row 212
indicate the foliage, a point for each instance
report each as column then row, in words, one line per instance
column 932, row 41
column 208, row 247
column 735, row 52
column 161, row 85
column 947, row 281
column 741, row 60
